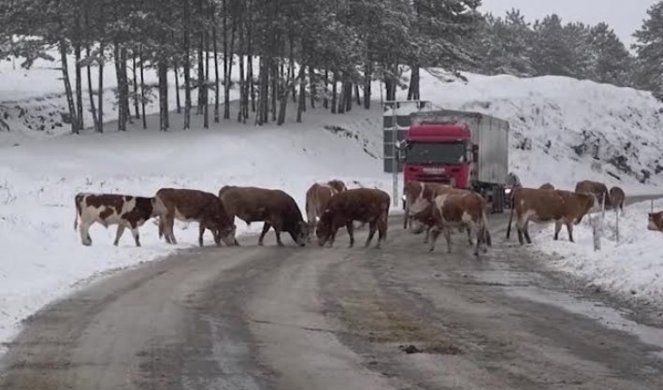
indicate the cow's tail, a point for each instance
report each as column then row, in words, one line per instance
column 77, row 210
column 508, row 228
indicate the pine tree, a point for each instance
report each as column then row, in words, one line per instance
column 612, row 63
column 551, row 53
column 649, row 47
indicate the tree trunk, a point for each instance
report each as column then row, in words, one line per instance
column 413, row 90
column 357, row 95
column 275, row 88
column 249, row 74
column 135, row 73
column 217, row 81
column 302, row 93
column 263, row 109
column 100, row 90
column 333, row 99
column 313, row 88
column 163, row 95
column 206, row 84
column 228, row 76
column 341, row 99
column 79, row 81
column 367, row 85
column 142, row 88
column 187, row 65
column 325, row 99
column 201, row 61
column 121, row 84
column 88, row 53
column 348, row 96
column 242, row 82
column 75, row 129
column 226, row 56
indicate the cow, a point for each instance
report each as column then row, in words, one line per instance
column 190, row 205
column 598, row 189
column 547, row 186
column 617, row 198
column 419, row 197
column 317, row 197
column 544, row 206
column 461, row 209
column 360, row 204
column 275, row 208
column 655, row 221
column 125, row 211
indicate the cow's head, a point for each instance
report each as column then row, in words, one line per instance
column 587, row 202
column 300, row 233
column 655, row 221
column 225, row 233
column 337, row 185
column 324, row 227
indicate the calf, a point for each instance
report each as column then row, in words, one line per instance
column 461, row 209
column 598, row 189
column 544, row 206
column 193, row 205
column 275, row 208
column 317, row 197
column 655, row 222
column 361, row 204
column 617, row 198
column 125, row 211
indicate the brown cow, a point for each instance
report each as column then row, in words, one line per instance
column 617, row 198
column 273, row 207
column 458, row 209
column 655, row 221
column 193, row 205
column 125, row 211
column 598, row 189
column 317, row 197
column 543, row 206
column 360, row 204
column 547, row 186
column 419, row 199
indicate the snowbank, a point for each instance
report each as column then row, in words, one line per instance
column 42, row 258
column 632, row 267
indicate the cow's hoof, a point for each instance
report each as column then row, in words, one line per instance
column 87, row 243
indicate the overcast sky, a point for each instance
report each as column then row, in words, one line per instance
column 625, row 16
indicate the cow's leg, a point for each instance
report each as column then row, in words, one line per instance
column 382, row 232
column 447, row 236
column 519, row 228
column 558, row 228
column 278, row 236
column 265, row 229
column 469, row 236
column 84, row 231
column 351, row 232
column 201, row 232
column 526, row 233
column 136, row 234
column 311, row 227
column 169, row 227
column 120, row 230
column 332, row 239
column 427, row 237
column 435, row 233
column 569, row 228
column 372, row 226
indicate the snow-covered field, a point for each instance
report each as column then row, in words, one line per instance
column 564, row 130
column 632, row 266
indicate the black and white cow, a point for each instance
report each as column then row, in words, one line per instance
column 125, row 211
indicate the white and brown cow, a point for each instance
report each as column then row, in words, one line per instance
column 317, row 197
column 546, row 206
column 125, row 211
column 461, row 209
column 419, row 197
column 655, row 221
column 598, row 189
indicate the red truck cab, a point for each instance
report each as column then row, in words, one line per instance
column 439, row 153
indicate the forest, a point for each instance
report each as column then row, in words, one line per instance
column 307, row 53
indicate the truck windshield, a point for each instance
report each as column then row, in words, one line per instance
column 436, row 153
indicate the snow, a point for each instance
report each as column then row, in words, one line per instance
column 42, row 167
column 631, row 267
column 42, row 258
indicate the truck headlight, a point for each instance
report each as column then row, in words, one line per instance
column 507, row 191
column 404, row 198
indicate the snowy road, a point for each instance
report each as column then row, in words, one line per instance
column 291, row 318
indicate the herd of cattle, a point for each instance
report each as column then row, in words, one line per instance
column 436, row 208
column 329, row 207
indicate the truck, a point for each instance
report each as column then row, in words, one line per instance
column 466, row 150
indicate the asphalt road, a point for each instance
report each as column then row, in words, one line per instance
column 312, row 318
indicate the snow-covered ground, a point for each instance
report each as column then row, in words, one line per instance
column 564, row 130
column 632, row 266
column 42, row 258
